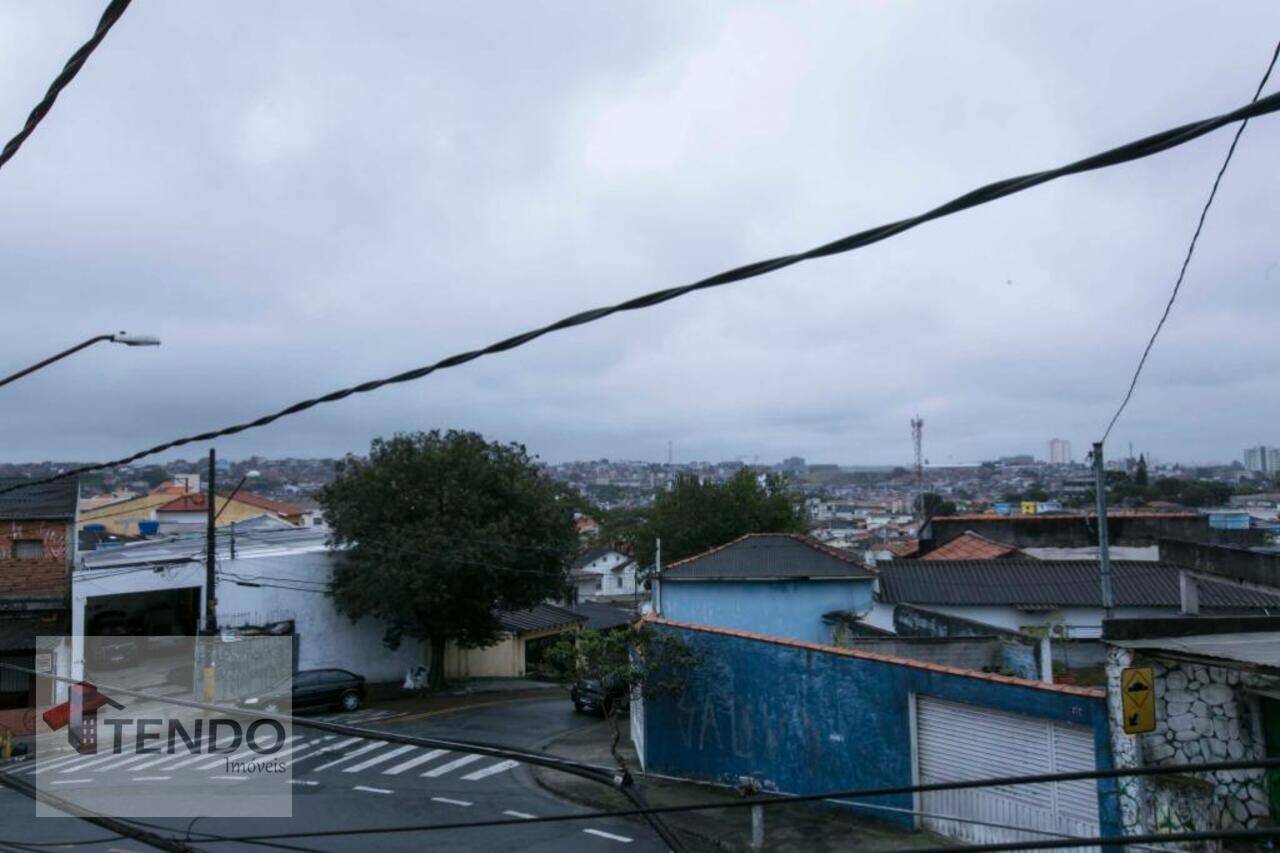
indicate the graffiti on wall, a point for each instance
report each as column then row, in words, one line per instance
column 53, row 538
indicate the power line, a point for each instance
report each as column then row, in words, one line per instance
column 1177, row 285
column 789, row 799
column 1126, row 153
column 69, row 71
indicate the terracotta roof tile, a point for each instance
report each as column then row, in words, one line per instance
column 971, row 546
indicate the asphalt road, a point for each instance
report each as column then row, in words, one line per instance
column 356, row 784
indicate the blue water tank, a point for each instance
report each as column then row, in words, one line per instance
column 95, row 528
column 148, row 528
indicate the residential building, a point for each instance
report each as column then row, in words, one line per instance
column 273, row 577
column 1262, row 459
column 1059, row 451
column 526, row 635
column 168, row 509
column 1061, row 598
column 37, row 550
column 1215, row 694
column 603, row 573
column 776, row 583
column 803, row 718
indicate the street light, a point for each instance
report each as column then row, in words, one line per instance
column 118, row 338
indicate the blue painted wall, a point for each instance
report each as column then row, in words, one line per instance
column 806, row 721
column 778, row 608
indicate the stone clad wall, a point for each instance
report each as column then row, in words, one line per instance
column 1203, row 713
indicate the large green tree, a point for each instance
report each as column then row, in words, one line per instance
column 695, row 515
column 440, row 529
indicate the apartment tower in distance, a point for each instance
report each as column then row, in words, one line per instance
column 1059, row 451
column 1262, row 459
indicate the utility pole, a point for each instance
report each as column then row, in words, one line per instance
column 1104, row 546
column 211, row 553
column 657, row 577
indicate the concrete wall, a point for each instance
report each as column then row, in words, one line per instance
column 806, row 719
column 779, row 608
column 1203, row 713
column 327, row 639
column 1255, row 566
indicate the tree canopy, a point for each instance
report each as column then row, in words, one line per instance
column 440, row 529
column 695, row 516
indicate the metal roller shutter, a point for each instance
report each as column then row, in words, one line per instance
column 955, row 742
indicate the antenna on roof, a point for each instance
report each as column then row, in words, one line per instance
column 917, row 441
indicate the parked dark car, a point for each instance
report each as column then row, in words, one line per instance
column 590, row 694
column 313, row 690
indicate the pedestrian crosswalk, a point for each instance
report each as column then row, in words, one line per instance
column 325, row 759
column 368, row 715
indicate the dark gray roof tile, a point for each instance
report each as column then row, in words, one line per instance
column 758, row 556
column 1041, row 584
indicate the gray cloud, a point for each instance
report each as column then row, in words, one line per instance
column 298, row 196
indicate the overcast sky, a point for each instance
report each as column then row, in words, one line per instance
column 298, row 196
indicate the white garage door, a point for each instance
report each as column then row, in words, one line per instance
column 956, row 742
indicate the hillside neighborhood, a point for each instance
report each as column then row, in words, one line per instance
column 979, row 645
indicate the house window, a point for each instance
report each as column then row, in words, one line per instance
column 598, row 584
column 28, row 549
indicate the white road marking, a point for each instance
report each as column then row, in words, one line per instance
column 242, row 755
column 334, row 746
column 49, row 763
column 491, row 770
column 198, row 756
column 609, row 835
column 130, row 759
column 414, row 762
column 524, row 815
column 230, row 778
column 373, row 790
column 449, row 801
column 451, row 766
column 302, row 782
column 350, row 755
column 87, row 761
column 69, row 781
column 377, row 759
column 150, row 778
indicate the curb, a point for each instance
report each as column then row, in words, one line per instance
column 601, row 804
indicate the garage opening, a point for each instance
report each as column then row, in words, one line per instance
column 955, row 742
column 114, row 624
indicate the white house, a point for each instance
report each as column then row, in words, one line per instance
column 273, row 577
column 603, row 573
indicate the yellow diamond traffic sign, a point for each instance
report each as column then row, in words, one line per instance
column 1137, row 700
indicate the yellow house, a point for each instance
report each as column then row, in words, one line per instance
column 526, row 635
column 164, row 506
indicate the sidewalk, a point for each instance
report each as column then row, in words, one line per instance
column 788, row 829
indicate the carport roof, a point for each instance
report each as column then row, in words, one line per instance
column 540, row 618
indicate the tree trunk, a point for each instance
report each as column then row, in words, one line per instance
column 435, row 670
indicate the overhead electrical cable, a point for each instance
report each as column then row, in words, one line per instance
column 69, row 71
column 1126, row 153
column 1186, row 261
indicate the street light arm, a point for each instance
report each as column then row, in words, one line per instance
column 119, row 337
column 48, row 361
